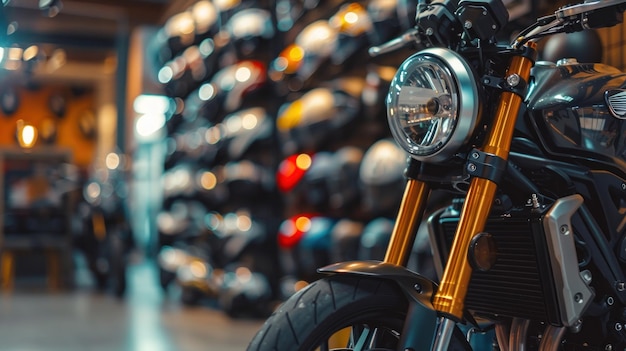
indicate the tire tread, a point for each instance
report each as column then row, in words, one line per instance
column 317, row 304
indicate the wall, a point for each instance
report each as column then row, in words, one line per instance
column 34, row 109
column 613, row 46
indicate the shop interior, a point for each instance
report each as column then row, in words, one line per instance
column 174, row 169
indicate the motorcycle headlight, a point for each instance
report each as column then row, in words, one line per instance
column 433, row 103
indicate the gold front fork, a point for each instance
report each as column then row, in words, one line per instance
column 449, row 299
column 407, row 221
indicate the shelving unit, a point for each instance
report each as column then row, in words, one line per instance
column 36, row 202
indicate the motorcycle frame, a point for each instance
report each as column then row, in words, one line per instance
column 447, row 300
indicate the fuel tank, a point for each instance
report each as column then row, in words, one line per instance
column 570, row 111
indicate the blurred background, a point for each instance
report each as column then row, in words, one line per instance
column 171, row 170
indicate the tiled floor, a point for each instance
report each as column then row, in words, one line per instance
column 146, row 320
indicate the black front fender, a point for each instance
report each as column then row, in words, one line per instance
column 421, row 319
column 415, row 286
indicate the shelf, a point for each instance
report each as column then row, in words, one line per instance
column 36, row 202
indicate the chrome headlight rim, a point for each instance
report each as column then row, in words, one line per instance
column 466, row 86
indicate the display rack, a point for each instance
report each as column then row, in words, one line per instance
column 36, row 202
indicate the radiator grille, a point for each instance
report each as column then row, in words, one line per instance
column 519, row 284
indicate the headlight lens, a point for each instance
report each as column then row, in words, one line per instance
column 432, row 105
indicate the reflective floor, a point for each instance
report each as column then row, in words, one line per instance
column 33, row 319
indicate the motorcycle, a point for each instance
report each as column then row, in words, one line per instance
column 532, row 247
column 106, row 238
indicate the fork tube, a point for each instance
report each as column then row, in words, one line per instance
column 449, row 299
column 407, row 221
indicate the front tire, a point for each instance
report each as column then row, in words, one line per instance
column 375, row 309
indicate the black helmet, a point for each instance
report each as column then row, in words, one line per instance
column 185, row 29
column 406, row 11
column 304, row 177
column 585, row 47
column 206, row 19
column 304, row 240
column 251, row 33
column 346, row 237
column 194, row 66
column 314, row 247
column 243, row 133
column 314, row 185
column 245, row 292
column 344, row 192
column 353, row 25
column 289, row 12
column 250, row 185
column 385, row 17
column 375, row 239
column 230, row 88
column 299, row 63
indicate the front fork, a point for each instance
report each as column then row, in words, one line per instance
column 450, row 296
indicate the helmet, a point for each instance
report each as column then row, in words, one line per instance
column 186, row 144
column 248, row 258
column 206, row 19
column 377, row 81
column 346, row 237
column 385, row 16
column 585, row 47
column 238, row 232
column 176, row 34
column 251, row 34
column 314, row 185
column 304, row 240
column 314, row 247
column 344, row 191
column 241, row 133
column 234, row 185
column 406, row 12
column 316, row 119
column 250, row 185
column 304, row 178
column 353, row 25
column 175, row 115
column 195, row 65
column 187, row 28
column 244, row 292
column 288, row 12
column 210, row 188
column 382, row 177
column 178, row 181
column 227, row 90
column 298, row 62
column 376, row 235
column 183, row 218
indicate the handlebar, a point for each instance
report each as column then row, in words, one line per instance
column 574, row 18
column 409, row 37
column 587, row 6
column 571, row 18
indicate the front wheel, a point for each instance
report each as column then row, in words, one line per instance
column 339, row 312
